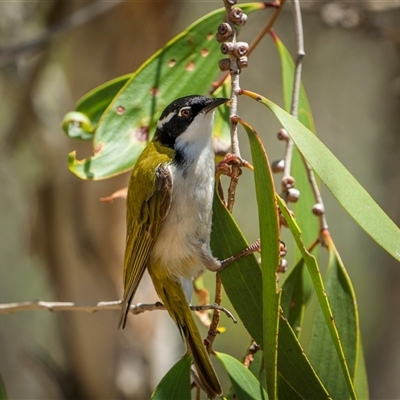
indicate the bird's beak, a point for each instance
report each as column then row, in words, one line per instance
column 214, row 103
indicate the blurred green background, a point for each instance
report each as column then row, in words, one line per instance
column 58, row 242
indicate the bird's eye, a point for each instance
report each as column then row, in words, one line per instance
column 185, row 112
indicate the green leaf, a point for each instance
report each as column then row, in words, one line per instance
column 3, row 393
column 186, row 65
column 243, row 284
column 361, row 379
column 241, row 279
column 245, row 384
column 342, row 300
column 302, row 208
column 295, row 369
column 257, row 367
column 176, row 382
column 78, row 126
column 269, row 235
column 315, row 274
column 350, row 194
column 81, row 123
column 295, row 295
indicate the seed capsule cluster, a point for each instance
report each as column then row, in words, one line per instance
column 225, row 36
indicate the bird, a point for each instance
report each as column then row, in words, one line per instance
column 169, row 211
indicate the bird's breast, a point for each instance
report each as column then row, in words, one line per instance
column 186, row 230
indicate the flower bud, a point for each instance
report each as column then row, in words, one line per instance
column 293, row 195
column 282, row 134
column 236, row 15
column 283, row 266
column 288, row 182
column 282, row 249
column 243, row 62
column 277, row 166
column 227, row 48
column 240, row 49
column 318, row 209
column 224, row 64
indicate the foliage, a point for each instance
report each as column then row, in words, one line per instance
column 119, row 117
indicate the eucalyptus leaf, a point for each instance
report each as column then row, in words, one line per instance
column 343, row 302
column 176, row 382
column 294, row 296
column 3, row 393
column 323, row 300
column 269, row 235
column 245, row 384
column 344, row 187
column 243, row 284
column 82, row 122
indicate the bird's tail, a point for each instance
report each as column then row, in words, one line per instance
column 205, row 370
column 174, row 299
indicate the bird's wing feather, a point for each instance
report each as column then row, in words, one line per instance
column 145, row 216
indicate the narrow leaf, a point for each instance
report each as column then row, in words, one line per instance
column 3, row 393
column 361, row 379
column 295, row 369
column 269, row 235
column 342, row 300
column 295, row 295
column 245, row 384
column 350, row 194
column 243, row 284
column 315, row 274
column 176, row 382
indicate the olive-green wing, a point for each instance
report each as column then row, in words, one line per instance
column 144, row 221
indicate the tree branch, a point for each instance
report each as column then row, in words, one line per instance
column 11, row 308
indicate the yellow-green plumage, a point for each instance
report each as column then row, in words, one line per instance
column 173, row 297
column 169, row 208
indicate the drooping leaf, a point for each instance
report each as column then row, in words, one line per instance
column 344, row 187
column 241, row 279
column 269, row 235
column 324, row 303
column 295, row 369
column 176, row 382
column 342, row 300
column 186, row 65
column 245, row 384
column 82, row 123
column 361, row 379
column 243, row 284
column 295, row 295
column 3, row 393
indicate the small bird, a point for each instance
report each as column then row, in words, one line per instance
column 169, row 210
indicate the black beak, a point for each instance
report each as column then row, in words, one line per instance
column 213, row 104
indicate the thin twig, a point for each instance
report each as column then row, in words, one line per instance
column 213, row 330
column 11, row 308
column 298, row 27
column 267, row 27
column 74, row 20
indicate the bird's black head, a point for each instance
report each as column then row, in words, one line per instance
column 177, row 116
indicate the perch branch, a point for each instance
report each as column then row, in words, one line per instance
column 11, row 308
